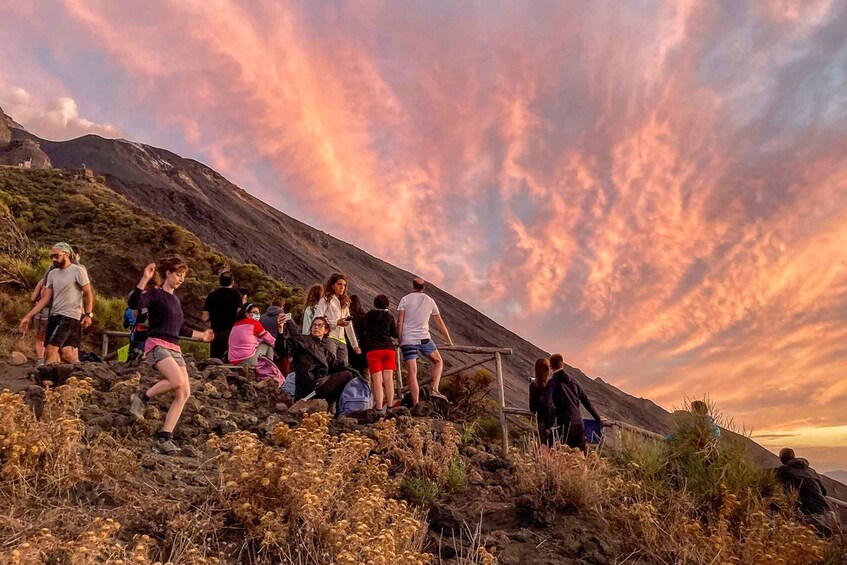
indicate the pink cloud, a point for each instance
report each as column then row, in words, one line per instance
column 648, row 189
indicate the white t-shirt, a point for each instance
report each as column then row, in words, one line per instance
column 418, row 308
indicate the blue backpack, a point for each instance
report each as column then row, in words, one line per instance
column 356, row 396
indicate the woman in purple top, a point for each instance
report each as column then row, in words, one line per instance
column 165, row 321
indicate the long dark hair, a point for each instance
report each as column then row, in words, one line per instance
column 329, row 292
column 542, row 372
column 357, row 309
column 313, row 296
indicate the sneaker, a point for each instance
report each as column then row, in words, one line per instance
column 136, row 407
column 167, row 447
column 435, row 394
column 39, row 363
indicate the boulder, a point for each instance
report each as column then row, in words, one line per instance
column 302, row 407
column 17, row 358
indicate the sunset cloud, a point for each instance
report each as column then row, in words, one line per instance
column 658, row 190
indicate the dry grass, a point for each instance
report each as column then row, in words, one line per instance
column 319, row 498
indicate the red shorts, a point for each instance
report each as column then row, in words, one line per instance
column 381, row 360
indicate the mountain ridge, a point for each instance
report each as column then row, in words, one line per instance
column 204, row 202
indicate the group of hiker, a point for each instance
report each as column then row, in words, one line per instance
column 337, row 343
column 272, row 343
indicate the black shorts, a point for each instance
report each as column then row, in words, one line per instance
column 62, row 332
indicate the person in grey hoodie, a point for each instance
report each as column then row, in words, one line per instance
column 270, row 319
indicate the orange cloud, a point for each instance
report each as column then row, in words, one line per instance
column 657, row 190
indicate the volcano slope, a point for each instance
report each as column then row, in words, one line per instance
column 203, row 202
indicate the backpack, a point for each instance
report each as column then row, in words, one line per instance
column 355, row 397
column 288, row 386
column 266, row 369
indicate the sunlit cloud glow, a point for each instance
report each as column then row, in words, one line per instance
column 656, row 189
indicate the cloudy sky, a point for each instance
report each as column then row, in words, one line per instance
column 656, row 189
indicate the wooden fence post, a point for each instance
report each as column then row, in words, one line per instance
column 105, row 349
column 504, row 427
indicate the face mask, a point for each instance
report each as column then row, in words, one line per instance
column 255, row 316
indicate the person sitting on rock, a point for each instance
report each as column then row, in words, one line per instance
column 249, row 339
column 165, row 321
column 796, row 475
column 316, row 368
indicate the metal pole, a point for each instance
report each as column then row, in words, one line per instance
column 399, row 374
column 504, row 427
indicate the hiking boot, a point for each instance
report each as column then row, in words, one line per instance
column 435, row 394
column 167, row 447
column 136, row 407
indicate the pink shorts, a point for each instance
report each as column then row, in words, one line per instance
column 381, row 360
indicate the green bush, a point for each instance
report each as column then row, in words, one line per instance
column 457, row 475
column 419, row 490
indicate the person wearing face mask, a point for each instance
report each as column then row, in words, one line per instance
column 249, row 339
column 68, row 292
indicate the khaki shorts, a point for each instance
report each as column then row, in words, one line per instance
column 39, row 323
column 159, row 353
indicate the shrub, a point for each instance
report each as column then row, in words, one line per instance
column 325, row 498
column 469, row 395
column 419, row 490
column 418, row 448
column 563, row 478
column 457, row 475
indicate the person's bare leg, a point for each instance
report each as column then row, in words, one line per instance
column 412, row 376
column 437, row 368
column 69, row 354
column 376, row 387
column 179, row 377
column 388, row 382
column 39, row 345
column 51, row 354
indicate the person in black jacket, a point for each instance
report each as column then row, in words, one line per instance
column 565, row 396
column 795, row 474
column 316, row 368
column 538, row 403
column 380, row 331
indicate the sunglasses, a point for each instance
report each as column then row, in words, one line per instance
column 56, row 255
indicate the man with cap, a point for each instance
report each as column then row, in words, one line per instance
column 70, row 296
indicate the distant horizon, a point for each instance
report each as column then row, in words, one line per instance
column 656, row 190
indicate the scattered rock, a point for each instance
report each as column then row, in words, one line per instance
column 17, row 359
column 399, row 411
column 422, row 409
column 152, row 413
column 281, row 407
column 346, row 423
column 303, row 407
column 225, row 426
column 201, row 422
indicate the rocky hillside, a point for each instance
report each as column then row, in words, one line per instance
column 202, row 201
column 19, row 151
column 196, row 197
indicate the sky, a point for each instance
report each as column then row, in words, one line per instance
column 655, row 189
